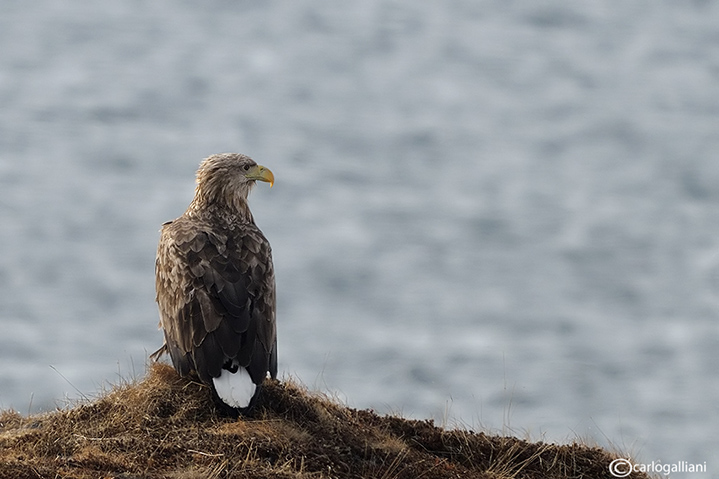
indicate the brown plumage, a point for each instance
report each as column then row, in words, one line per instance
column 215, row 284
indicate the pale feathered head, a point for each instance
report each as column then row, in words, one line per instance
column 227, row 178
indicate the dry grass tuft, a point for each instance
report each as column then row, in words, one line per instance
column 167, row 427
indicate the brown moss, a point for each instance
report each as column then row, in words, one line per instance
column 165, row 426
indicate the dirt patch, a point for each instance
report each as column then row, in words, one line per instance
column 166, row 427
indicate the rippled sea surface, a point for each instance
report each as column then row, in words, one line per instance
column 501, row 215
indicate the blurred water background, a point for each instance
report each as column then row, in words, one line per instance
column 503, row 215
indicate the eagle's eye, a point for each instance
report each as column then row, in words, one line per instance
column 246, row 167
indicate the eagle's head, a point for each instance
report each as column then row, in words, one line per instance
column 226, row 179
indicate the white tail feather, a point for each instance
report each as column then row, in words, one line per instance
column 235, row 389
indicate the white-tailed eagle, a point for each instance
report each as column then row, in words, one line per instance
column 215, row 285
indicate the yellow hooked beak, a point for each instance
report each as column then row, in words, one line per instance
column 260, row 173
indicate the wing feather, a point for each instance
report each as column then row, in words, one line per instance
column 228, row 340
column 259, row 364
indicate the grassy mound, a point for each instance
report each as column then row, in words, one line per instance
column 166, row 427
